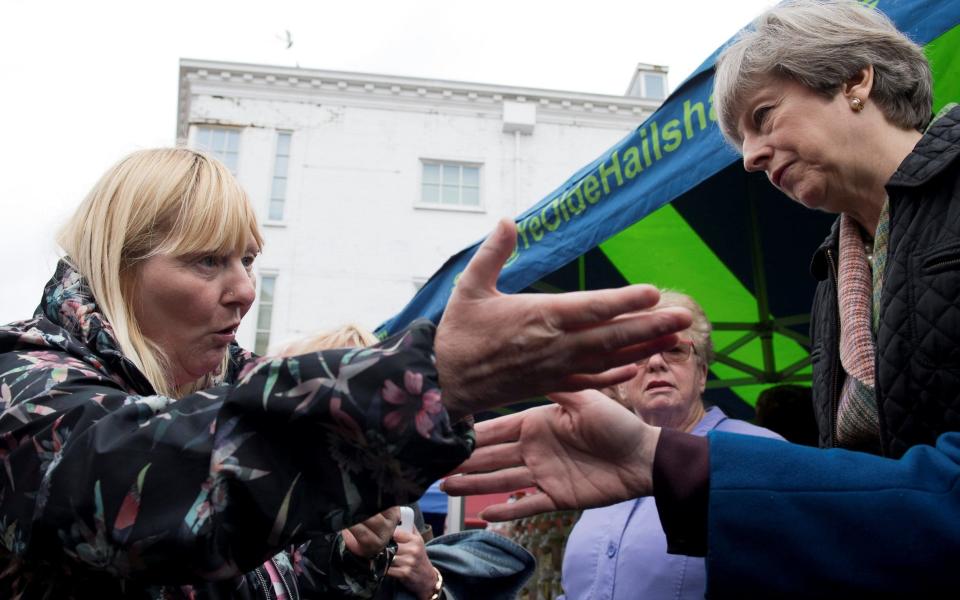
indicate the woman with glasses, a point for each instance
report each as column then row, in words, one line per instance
column 620, row 551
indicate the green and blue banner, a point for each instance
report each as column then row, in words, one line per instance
column 671, row 205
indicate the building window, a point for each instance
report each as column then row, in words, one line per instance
column 649, row 81
column 222, row 143
column 268, row 284
column 654, row 86
column 278, row 190
column 450, row 184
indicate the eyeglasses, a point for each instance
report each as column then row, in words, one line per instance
column 678, row 354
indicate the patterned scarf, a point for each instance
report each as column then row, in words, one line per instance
column 880, row 261
column 857, row 420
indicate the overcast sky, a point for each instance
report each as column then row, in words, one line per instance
column 87, row 82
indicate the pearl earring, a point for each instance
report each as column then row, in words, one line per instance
column 856, row 104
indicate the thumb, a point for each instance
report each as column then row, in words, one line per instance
column 484, row 268
column 401, row 536
column 350, row 542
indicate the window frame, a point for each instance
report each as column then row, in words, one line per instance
column 257, row 329
column 420, row 203
column 218, row 154
column 268, row 218
column 663, row 82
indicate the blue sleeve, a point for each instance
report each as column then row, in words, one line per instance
column 794, row 521
column 744, row 428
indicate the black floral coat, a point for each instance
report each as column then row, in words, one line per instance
column 109, row 490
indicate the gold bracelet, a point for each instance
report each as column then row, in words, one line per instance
column 438, row 587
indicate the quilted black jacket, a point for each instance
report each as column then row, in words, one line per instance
column 918, row 343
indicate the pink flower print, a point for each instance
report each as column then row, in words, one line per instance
column 296, row 558
column 429, row 409
column 43, row 359
column 252, row 366
column 411, row 403
column 73, row 310
column 58, row 365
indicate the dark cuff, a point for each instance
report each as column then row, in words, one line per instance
column 681, row 487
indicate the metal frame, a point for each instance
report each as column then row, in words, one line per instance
column 764, row 328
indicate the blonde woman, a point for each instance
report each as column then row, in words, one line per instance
column 345, row 336
column 146, row 455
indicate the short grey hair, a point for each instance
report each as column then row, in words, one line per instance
column 822, row 44
column 699, row 330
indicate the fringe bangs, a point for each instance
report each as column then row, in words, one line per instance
column 212, row 214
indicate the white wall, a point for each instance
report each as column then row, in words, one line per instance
column 353, row 237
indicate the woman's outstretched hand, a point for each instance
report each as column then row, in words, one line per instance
column 586, row 450
column 494, row 349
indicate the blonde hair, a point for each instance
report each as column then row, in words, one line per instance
column 165, row 201
column 347, row 336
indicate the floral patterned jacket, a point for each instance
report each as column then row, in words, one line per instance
column 108, row 490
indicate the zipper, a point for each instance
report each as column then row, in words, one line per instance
column 283, row 580
column 293, row 585
column 938, row 265
column 834, row 394
column 940, row 254
column 263, row 582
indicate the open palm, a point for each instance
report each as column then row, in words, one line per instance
column 585, row 450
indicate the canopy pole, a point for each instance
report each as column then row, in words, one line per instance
column 582, row 271
column 764, row 320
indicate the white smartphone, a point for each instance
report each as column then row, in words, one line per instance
column 406, row 519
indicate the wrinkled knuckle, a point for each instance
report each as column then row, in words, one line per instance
column 597, row 309
column 614, row 339
column 664, row 323
column 546, row 319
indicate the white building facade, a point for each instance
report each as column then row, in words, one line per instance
column 365, row 184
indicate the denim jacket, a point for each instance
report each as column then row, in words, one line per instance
column 478, row 564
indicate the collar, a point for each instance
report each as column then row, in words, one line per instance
column 69, row 304
column 819, row 264
column 936, row 150
column 710, row 420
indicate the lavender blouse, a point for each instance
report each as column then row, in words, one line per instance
column 619, row 552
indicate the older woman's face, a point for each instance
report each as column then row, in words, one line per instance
column 191, row 307
column 805, row 143
column 664, row 387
